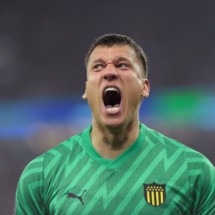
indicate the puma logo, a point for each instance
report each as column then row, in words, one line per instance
column 72, row 195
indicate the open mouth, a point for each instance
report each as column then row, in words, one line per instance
column 112, row 99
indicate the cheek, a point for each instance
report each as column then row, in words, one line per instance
column 92, row 92
column 135, row 86
column 135, row 92
column 90, row 83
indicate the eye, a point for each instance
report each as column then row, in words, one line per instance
column 122, row 65
column 98, row 67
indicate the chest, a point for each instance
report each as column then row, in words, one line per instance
column 137, row 187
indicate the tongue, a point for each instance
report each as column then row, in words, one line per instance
column 110, row 106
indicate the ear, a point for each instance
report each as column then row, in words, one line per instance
column 146, row 88
column 84, row 96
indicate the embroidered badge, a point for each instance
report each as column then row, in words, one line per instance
column 155, row 194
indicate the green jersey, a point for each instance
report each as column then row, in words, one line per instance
column 155, row 175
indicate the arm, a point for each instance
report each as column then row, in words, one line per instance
column 30, row 189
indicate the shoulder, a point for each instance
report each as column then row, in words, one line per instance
column 198, row 171
column 170, row 146
column 55, row 155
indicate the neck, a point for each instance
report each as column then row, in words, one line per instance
column 111, row 142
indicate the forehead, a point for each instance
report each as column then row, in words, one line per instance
column 112, row 53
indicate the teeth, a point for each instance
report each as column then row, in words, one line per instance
column 111, row 89
column 114, row 109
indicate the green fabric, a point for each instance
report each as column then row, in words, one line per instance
column 156, row 175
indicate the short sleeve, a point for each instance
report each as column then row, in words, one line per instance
column 205, row 189
column 30, row 189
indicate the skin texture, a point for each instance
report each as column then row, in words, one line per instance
column 115, row 66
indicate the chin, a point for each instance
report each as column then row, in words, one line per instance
column 113, row 124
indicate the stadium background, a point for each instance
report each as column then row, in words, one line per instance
column 42, row 74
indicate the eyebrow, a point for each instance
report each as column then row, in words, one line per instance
column 99, row 60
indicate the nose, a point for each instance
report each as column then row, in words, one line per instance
column 110, row 72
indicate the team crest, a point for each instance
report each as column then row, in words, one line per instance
column 155, row 194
